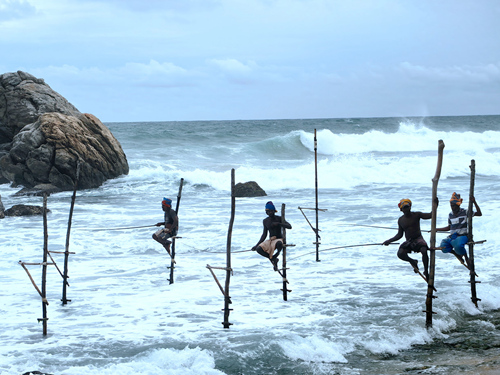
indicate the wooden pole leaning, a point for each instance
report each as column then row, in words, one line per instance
column 227, row 298
column 172, row 257
column 432, row 263
column 316, row 193
column 44, row 266
column 470, row 214
column 66, row 252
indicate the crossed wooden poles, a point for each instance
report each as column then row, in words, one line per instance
column 47, row 254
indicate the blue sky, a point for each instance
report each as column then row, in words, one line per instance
column 162, row 60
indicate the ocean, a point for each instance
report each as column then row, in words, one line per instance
column 359, row 310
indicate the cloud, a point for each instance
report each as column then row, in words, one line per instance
column 485, row 73
column 152, row 74
column 155, row 5
column 15, row 9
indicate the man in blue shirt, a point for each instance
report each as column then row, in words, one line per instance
column 457, row 225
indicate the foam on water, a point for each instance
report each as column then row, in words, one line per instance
column 358, row 306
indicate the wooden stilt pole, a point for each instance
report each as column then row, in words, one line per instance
column 227, row 298
column 44, row 266
column 316, row 193
column 283, row 273
column 66, row 253
column 432, row 265
column 172, row 258
column 470, row 214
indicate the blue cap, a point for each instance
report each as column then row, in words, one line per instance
column 270, row 206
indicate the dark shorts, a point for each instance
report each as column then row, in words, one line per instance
column 416, row 245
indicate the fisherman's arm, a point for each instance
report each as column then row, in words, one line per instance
column 175, row 224
column 425, row 215
column 285, row 224
column 443, row 229
column 395, row 238
column 429, row 215
column 262, row 238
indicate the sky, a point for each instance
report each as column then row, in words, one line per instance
column 183, row 60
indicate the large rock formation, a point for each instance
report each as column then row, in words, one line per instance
column 43, row 137
column 47, row 152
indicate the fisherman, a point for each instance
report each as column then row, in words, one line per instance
column 409, row 224
column 272, row 225
column 457, row 225
column 170, row 223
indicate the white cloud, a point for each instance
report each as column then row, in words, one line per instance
column 464, row 74
column 15, row 9
column 227, row 59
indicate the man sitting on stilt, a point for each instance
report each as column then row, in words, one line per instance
column 409, row 225
column 170, row 223
column 457, row 225
column 272, row 225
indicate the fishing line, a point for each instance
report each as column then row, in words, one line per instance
column 341, row 247
column 374, row 226
column 120, row 228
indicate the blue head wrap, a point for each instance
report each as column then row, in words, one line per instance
column 270, row 206
column 166, row 202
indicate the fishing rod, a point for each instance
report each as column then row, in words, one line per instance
column 363, row 225
column 120, row 228
column 374, row 226
column 344, row 247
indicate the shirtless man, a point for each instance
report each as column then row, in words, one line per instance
column 409, row 224
column 272, row 225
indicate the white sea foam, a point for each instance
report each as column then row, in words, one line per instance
column 125, row 317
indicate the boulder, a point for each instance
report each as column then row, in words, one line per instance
column 48, row 151
column 43, row 136
column 248, row 189
column 2, row 209
column 23, row 98
column 24, row 210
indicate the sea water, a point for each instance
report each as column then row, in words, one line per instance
column 358, row 310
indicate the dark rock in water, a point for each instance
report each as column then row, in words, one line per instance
column 43, row 137
column 36, row 373
column 39, row 190
column 248, row 189
column 2, row 209
column 24, row 210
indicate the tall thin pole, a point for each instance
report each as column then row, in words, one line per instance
column 470, row 214
column 432, row 265
column 227, row 298
column 44, row 265
column 285, row 289
column 316, row 193
column 172, row 259
column 66, row 252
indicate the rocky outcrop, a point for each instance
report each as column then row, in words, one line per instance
column 43, row 137
column 2, row 209
column 48, row 150
column 23, row 98
column 248, row 189
column 24, row 210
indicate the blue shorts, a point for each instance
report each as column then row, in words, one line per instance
column 455, row 243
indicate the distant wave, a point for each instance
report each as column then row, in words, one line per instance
column 410, row 137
